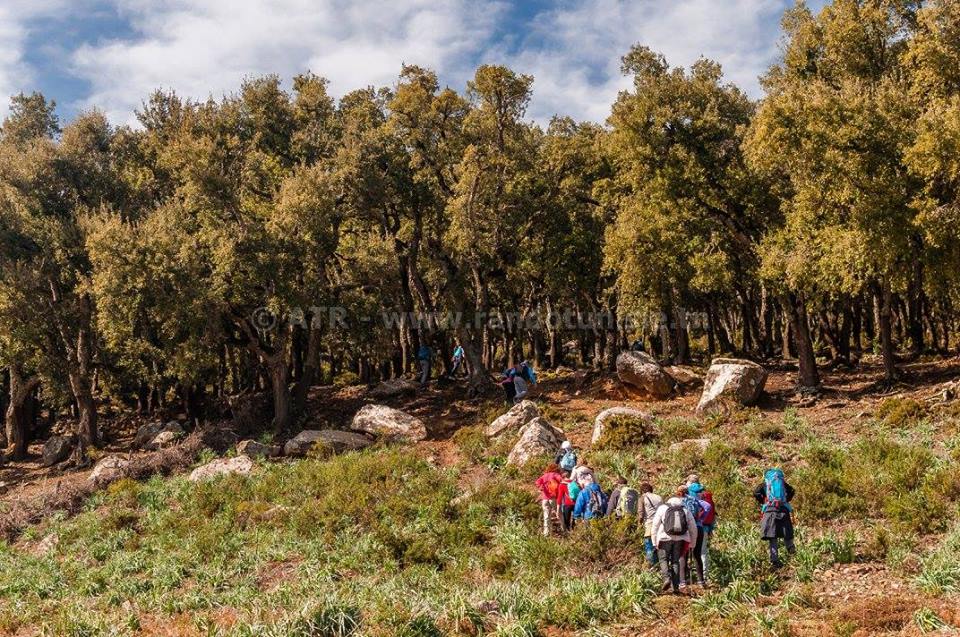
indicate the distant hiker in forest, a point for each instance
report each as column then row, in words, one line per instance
column 774, row 496
column 624, row 500
column 457, row 359
column 706, row 523
column 566, row 500
column 566, row 457
column 674, row 531
column 520, row 386
column 425, row 359
column 549, row 487
column 699, row 509
column 591, row 502
column 509, row 388
column 649, row 503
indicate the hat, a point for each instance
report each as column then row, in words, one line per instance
column 566, row 445
column 694, row 488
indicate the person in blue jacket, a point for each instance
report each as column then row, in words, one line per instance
column 591, row 503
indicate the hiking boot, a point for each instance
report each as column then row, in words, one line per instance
column 666, row 587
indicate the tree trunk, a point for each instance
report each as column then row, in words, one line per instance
column 310, row 370
column 18, row 415
column 885, row 302
column 808, row 376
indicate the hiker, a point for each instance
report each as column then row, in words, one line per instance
column 457, row 359
column 507, row 383
column 528, row 373
column 582, row 473
column 520, row 387
column 637, row 345
column 566, row 457
column 623, row 501
column 674, row 531
column 591, row 502
column 699, row 509
column 425, row 359
column 774, row 497
column 707, row 523
column 566, row 500
column 649, row 503
column 549, row 487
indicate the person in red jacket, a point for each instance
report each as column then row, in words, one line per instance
column 549, row 486
column 566, row 501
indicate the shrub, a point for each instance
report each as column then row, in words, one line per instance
column 346, row 379
column 625, row 432
column 472, row 442
column 901, row 412
column 677, row 429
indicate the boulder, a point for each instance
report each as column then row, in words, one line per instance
column 338, row 441
column 539, row 440
column 517, row 416
column 147, row 434
column 731, row 379
column 222, row 466
column 109, row 469
column 166, row 438
column 640, row 370
column 254, row 449
column 57, row 449
column 684, row 375
column 393, row 388
column 606, row 414
column 388, row 422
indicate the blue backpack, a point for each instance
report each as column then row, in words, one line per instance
column 569, row 460
column 776, row 491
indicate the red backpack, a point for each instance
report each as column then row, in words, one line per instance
column 711, row 516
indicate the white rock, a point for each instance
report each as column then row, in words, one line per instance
column 394, row 387
column 254, row 449
column 642, row 371
column 146, row 437
column 108, row 469
column 539, row 440
column 222, row 466
column 388, row 422
column 731, row 379
column 338, row 441
column 515, row 418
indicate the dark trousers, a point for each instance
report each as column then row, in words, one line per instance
column 775, row 549
column 670, row 552
column 566, row 517
column 696, row 552
column 456, row 366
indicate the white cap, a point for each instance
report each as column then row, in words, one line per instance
column 566, row 445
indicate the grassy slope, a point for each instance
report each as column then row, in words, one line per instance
column 384, row 542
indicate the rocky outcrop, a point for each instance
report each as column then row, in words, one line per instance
column 333, row 439
column 684, row 375
column 539, row 440
column 57, row 449
column 254, row 449
column 605, row 415
column 390, row 423
column 512, row 421
column 149, row 436
column 393, row 388
column 731, row 380
column 241, row 465
column 109, row 469
column 640, row 370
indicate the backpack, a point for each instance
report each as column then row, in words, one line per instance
column 710, row 517
column 776, row 491
column 629, row 502
column 597, row 504
column 552, row 487
column 569, row 460
column 675, row 520
column 692, row 504
column 526, row 371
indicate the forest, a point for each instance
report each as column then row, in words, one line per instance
column 278, row 238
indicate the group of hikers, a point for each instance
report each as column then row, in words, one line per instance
column 675, row 529
column 515, row 381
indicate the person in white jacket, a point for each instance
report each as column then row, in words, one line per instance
column 674, row 530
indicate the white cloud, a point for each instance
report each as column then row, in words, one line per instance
column 576, row 61
column 207, row 48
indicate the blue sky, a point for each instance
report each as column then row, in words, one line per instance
column 109, row 54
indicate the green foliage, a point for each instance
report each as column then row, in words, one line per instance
column 901, row 412
column 626, row 432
